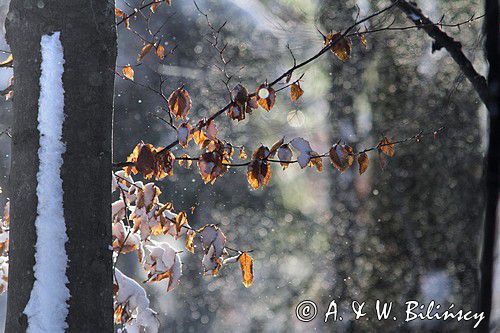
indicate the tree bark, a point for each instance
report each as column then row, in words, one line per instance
column 492, row 170
column 88, row 37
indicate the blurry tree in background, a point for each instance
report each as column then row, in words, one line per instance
column 408, row 231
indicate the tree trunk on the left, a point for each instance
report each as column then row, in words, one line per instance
column 88, row 37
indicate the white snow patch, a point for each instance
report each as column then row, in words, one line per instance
column 47, row 307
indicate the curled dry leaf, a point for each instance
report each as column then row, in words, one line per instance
column 362, row 39
column 275, row 147
column 243, row 155
column 295, row 91
column 199, row 137
column 386, row 146
column 119, row 13
column 259, row 170
column 179, row 103
column 211, row 130
column 341, row 45
column 239, row 96
column 154, row 6
column 211, row 166
column 150, row 162
column 246, row 264
column 180, row 220
column 144, row 51
column 190, row 240
column 146, row 160
column 160, row 51
column 266, row 96
column 128, row 71
column 184, row 134
column 341, row 156
column 316, row 161
column 307, row 156
column 363, row 162
column 285, row 155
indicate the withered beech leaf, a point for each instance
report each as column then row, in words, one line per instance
column 128, row 71
column 285, row 155
column 184, row 134
column 154, row 6
column 386, row 146
column 341, row 156
column 179, row 103
column 190, row 240
column 239, row 94
column 160, row 51
column 295, row 91
column 144, row 51
column 146, row 160
column 210, row 165
column 211, row 130
column 199, row 137
column 258, row 173
column 275, row 147
column 363, row 162
column 316, row 161
column 266, row 96
column 362, row 39
column 164, row 163
column 246, row 263
column 243, row 155
column 341, row 45
column 180, row 220
column 119, row 13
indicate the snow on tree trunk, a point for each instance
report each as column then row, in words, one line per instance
column 88, row 38
column 47, row 308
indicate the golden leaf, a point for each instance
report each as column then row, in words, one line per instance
column 386, row 146
column 128, row 71
column 199, row 137
column 246, row 263
column 341, row 45
column 180, row 220
column 362, row 39
column 119, row 13
column 316, row 161
column 154, row 6
column 190, row 240
column 145, row 50
column 160, row 51
column 243, row 155
column 363, row 162
column 295, row 91
column 258, row 173
column 179, row 103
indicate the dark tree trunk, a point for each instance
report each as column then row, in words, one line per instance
column 88, row 38
column 492, row 171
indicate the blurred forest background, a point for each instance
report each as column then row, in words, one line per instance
column 409, row 232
